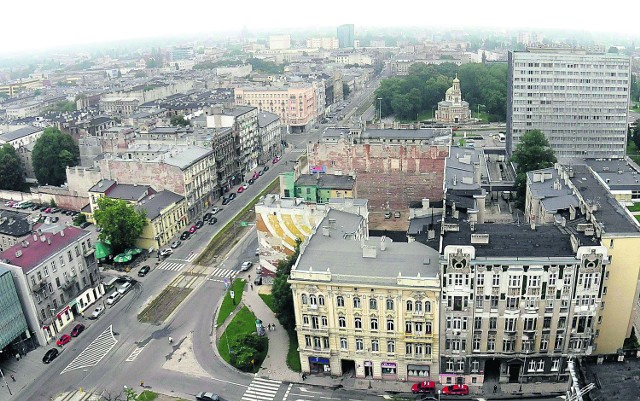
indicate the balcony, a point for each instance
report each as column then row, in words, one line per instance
column 38, row 286
column 69, row 284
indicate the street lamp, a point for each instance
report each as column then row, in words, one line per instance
column 379, row 109
column 478, row 115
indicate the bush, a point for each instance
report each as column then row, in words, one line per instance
column 79, row 219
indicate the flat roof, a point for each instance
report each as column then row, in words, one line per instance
column 265, row 118
column 345, row 256
column 395, row 134
column 610, row 213
column 102, row 186
column 326, row 181
column 129, row 192
column 20, row 133
column 459, row 171
column 618, row 174
column 155, row 203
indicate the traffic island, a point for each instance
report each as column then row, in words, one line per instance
column 163, row 305
column 240, row 345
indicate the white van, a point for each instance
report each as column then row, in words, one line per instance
column 113, row 298
column 124, row 288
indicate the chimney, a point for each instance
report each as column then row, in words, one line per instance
column 477, row 176
column 332, row 224
column 425, row 203
column 43, row 238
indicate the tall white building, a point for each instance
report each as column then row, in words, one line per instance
column 577, row 98
column 280, row 42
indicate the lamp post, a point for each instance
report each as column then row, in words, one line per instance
column 478, row 114
column 379, row 109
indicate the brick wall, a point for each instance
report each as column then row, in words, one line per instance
column 160, row 176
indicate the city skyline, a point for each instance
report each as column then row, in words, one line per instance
column 54, row 27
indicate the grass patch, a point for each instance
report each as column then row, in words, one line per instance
column 293, row 356
column 242, row 324
column 268, row 300
column 227, row 303
column 162, row 305
column 147, row 395
column 634, row 208
column 637, row 216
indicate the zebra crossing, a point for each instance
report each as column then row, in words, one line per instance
column 94, row 352
column 171, row 266
column 223, row 273
column 262, row 390
column 132, row 357
column 302, row 150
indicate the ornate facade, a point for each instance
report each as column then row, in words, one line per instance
column 453, row 109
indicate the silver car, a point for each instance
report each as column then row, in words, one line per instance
column 204, row 396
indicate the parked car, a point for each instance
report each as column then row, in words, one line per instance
column 77, row 329
column 245, row 185
column 185, row 235
column 166, row 252
column 261, row 172
column 55, row 210
column 176, row 244
column 124, row 288
column 456, row 389
column 193, row 229
column 65, row 338
column 47, row 210
column 206, row 216
column 225, row 200
column 259, row 269
column 257, row 251
column 424, row 387
column 215, row 210
column 257, row 280
column 213, row 221
column 50, row 355
column 256, row 175
column 199, row 224
column 205, row 396
column 396, row 215
column 266, row 168
column 232, row 196
column 97, row 312
column 113, row 298
column 387, row 215
column 144, row 270
column 246, row 265
column 250, row 181
column 85, row 224
column 275, row 160
column 54, row 219
column 240, row 189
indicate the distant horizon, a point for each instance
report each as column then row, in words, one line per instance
column 51, row 26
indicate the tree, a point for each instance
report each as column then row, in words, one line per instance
column 179, row 120
column 345, row 90
column 121, row 224
column 247, row 351
column 532, row 153
column 634, row 135
column 281, row 291
column 79, row 219
column 53, row 152
column 11, row 170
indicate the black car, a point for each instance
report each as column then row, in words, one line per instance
column 55, row 210
column 54, row 219
column 85, row 224
column 265, row 169
column 260, row 173
column 206, row 216
column 213, row 221
column 185, row 235
column 50, row 355
column 251, row 181
column 258, row 280
column 199, row 224
column 225, row 200
column 232, row 196
column 144, row 270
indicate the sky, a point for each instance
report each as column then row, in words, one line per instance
column 31, row 26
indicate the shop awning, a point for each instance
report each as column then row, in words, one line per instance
column 102, row 250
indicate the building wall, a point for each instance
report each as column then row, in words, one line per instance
column 388, row 175
column 12, row 318
column 617, row 315
column 161, row 230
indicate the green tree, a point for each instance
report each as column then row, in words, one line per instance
column 345, row 90
column 634, row 135
column 179, row 120
column 79, row 219
column 121, row 224
column 53, row 152
column 267, row 67
column 11, row 170
column 281, row 290
column 249, row 350
column 532, row 153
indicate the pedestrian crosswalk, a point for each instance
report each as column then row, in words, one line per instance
column 94, row 352
column 171, row 266
column 132, row 357
column 224, row 273
column 262, row 390
column 191, row 256
column 298, row 150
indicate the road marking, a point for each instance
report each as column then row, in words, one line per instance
column 286, row 394
column 94, row 352
column 176, row 267
column 262, row 390
column 134, row 354
column 221, row 272
column 191, row 256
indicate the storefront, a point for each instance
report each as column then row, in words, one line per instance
column 421, row 372
column 319, row 365
column 389, row 370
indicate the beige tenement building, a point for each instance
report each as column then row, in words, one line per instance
column 368, row 307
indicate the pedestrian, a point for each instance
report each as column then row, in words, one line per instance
column 251, row 287
column 249, row 277
column 495, row 388
column 17, row 357
column 273, row 326
column 13, row 378
column 141, row 384
column 170, row 340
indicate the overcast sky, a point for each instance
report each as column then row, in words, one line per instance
column 41, row 24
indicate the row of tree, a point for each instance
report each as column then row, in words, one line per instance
column 53, row 152
column 419, row 92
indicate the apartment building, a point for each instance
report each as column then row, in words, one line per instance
column 15, row 330
column 323, row 43
column 13, row 227
column 22, row 136
column 578, row 98
column 364, row 306
column 270, row 134
column 346, row 36
column 56, row 278
column 297, row 106
column 243, row 121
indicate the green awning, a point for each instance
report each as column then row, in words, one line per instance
column 132, row 251
column 102, row 250
column 122, row 258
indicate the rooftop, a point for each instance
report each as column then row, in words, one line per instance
column 156, row 203
column 460, row 171
column 14, row 224
column 185, row 156
column 390, row 134
column 266, row 118
column 326, row 181
column 618, row 174
column 102, row 186
column 345, row 256
column 609, row 213
column 513, row 240
column 19, row 133
column 38, row 250
column 128, row 192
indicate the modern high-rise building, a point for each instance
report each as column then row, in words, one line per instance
column 578, row 98
column 345, row 36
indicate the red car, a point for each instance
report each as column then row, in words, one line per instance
column 424, row 387
column 79, row 328
column 193, row 229
column 456, row 389
column 240, row 189
column 63, row 340
column 47, row 210
column 276, row 159
column 256, row 175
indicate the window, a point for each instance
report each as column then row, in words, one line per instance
column 374, row 324
column 307, row 341
column 475, row 366
column 409, row 306
column 427, row 349
column 546, row 323
column 449, row 366
column 343, row 343
column 391, row 347
column 77, row 251
column 357, row 322
column 321, row 299
column 316, row 342
column 510, row 324
column 305, row 320
column 495, row 280
column 408, row 326
column 532, row 366
column 460, row 365
column 555, row 365
column 418, row 349
column 427, row 306
column 342, row 322
column 409, row 348
column 493, row 323
column 61, row 260
column 552, row 279
column 491, row 344
column 494, row 302
column 559, row 341
column 541, row 365
column 479, row 302
column 375, row 347
column 325, row 321
column 476, row 343
column 46, row 271
column 389, row 304
column 533, row 281
column 313, row 300
column 513, row 303
column 530, row 323
column 477, row 323
column 53, row 266
column 314, row 322
column 514, row 281
column 373, row 303
column 480, row 280
column 390, row 325
column 359, row 344
column 69, row 256
column 325, row 342
column 356, row 302
column 304, row 299
column 340, row 301
column 544, row 343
